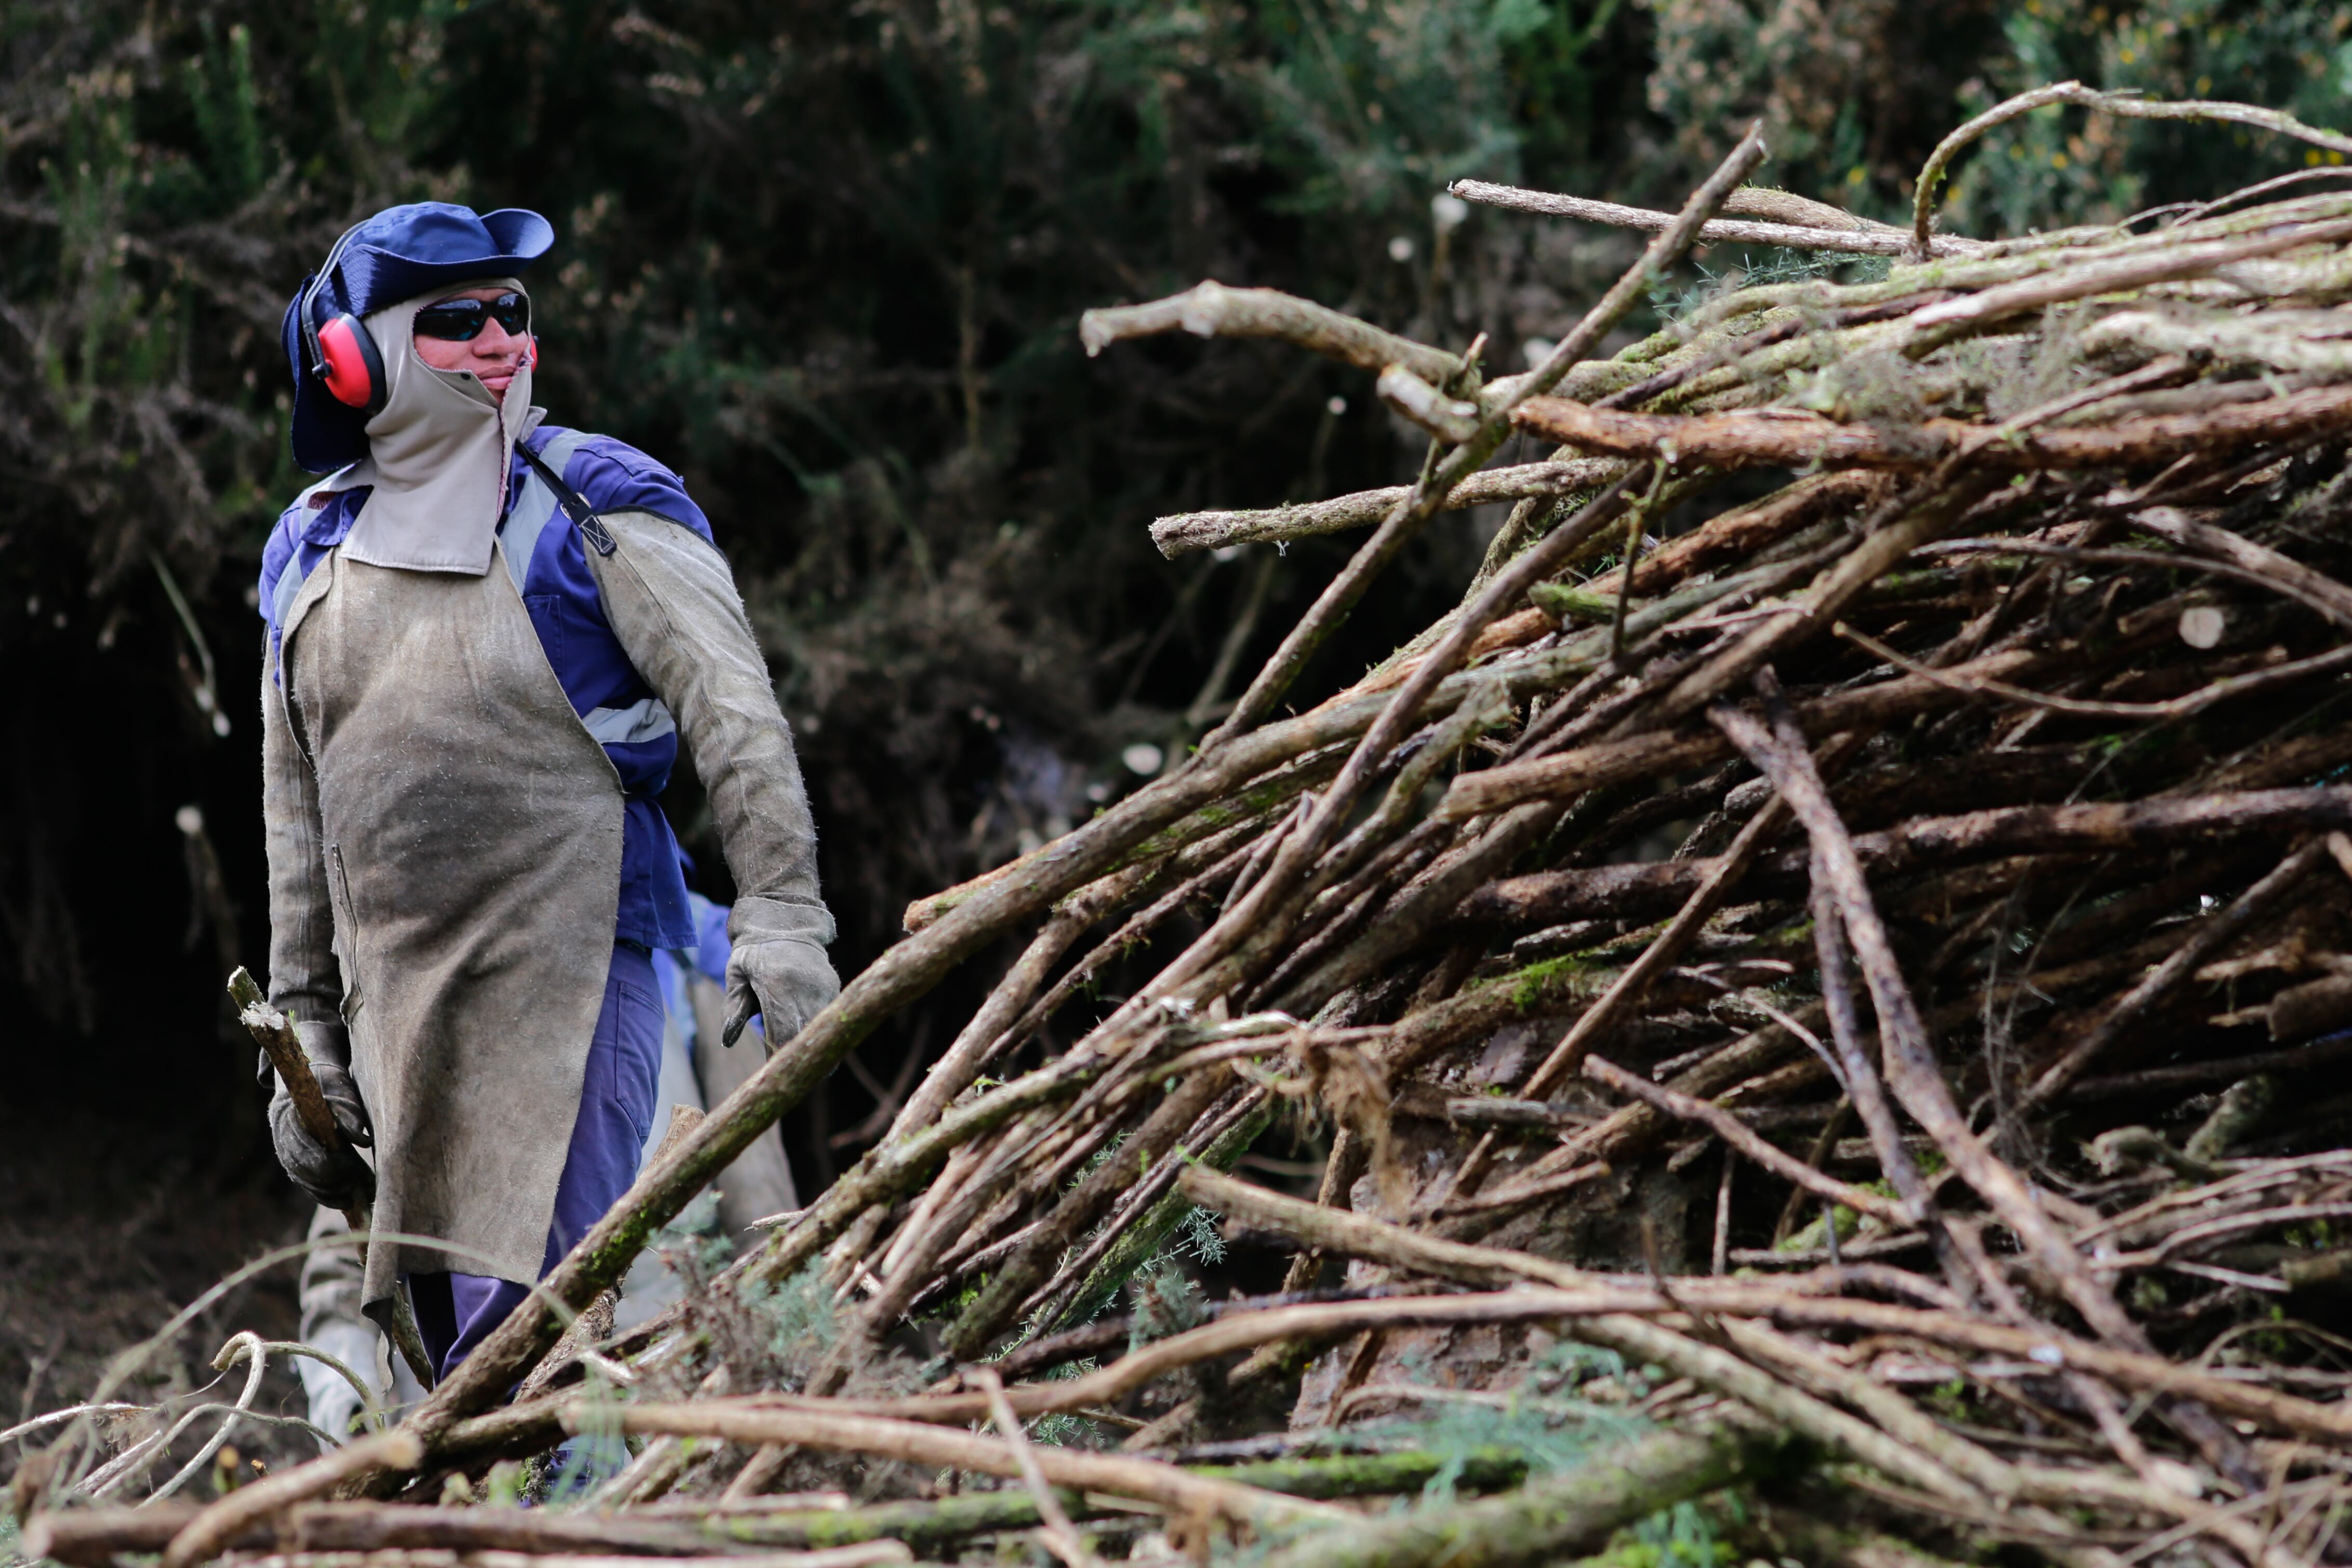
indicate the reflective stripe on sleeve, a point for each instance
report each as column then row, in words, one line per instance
column 645, row 720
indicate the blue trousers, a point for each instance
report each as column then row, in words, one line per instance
column 454, row 1313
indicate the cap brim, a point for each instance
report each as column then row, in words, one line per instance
column 523, row 235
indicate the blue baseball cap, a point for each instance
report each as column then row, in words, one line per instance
column 399, row 253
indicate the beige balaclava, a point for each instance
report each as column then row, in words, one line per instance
column 438, row 454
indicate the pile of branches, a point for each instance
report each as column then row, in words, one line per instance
column 1809, row 973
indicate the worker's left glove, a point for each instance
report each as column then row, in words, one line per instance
column 335, row 1176
column 777, row 968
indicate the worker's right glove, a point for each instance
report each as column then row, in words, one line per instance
column 335, row 1176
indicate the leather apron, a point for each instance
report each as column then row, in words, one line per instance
column 472, row 833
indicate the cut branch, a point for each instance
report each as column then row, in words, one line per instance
column 1791, row 438
column 913, row 1442
column 1189, row 531
column 1856, row 239
column 1210, row 309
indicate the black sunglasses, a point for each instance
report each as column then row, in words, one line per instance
column 461, row 320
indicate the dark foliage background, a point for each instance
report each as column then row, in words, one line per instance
column 828, row 260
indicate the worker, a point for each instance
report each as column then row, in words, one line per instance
column 485, row 636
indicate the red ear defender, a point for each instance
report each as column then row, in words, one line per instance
column 350, row 366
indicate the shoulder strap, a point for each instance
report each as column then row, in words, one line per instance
column 573, row 504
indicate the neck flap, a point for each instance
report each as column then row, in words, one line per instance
column 438, row 455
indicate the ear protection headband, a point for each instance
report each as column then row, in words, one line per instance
column 342, row 352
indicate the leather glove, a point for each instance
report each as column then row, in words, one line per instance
column 336, row 1177
column 777, row 968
